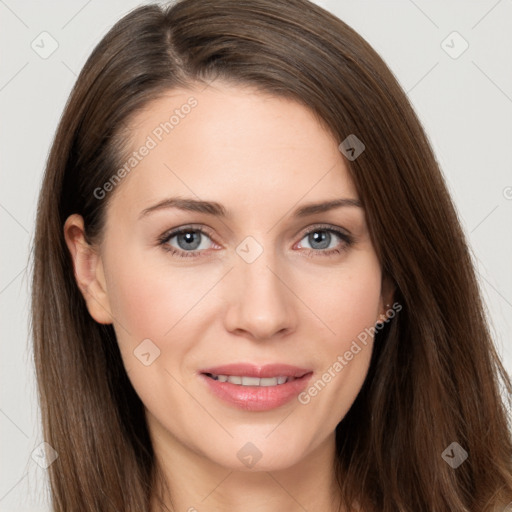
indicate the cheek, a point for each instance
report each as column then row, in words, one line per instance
column 138, row 302
column 148, row 299
column 348, row 300
column 349, row 303
column 149, row 302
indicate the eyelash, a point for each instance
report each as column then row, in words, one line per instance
column 164, row 239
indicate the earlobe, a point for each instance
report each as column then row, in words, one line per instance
column 387, row 297
column 88, row 269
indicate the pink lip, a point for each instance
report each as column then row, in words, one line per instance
column 256, row 398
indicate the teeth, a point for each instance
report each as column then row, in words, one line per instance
column 252, row 381
column 271, row 381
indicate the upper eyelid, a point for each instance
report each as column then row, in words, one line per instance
column 326, row 227
column 171, row 233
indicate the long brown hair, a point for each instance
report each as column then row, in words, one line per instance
column 435, row 376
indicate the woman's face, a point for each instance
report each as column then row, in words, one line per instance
column 261, row 290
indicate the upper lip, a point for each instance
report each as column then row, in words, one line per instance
column 251, row 370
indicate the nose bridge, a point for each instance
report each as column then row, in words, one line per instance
column 261, row 303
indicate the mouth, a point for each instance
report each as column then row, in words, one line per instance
column 256, row 388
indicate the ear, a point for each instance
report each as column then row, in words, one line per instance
column 88, row 270
column 387, row 297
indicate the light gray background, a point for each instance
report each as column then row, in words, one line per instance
column 465, row 105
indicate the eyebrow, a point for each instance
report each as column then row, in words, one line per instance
column 218, row 210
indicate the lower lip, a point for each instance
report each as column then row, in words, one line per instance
column 257, row 398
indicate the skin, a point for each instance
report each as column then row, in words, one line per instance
column 261, row 157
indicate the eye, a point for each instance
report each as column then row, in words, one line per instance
column 322, row 241
column 188, row 239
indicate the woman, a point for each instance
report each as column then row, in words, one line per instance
column 254, row 369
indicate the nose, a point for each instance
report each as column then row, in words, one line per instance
column 261, row 302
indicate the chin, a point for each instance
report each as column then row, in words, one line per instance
column 254, row 456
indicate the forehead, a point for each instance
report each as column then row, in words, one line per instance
column 234, row 145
